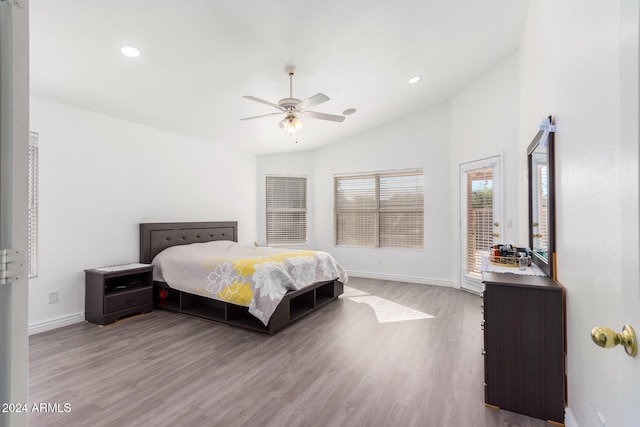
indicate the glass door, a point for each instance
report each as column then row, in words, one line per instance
column 481, row 225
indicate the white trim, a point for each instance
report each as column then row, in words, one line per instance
column 14, row 147
column 484, row 163
column 377, row 172
column 48, row 325
column 472, row 284
column 494, row 162
column 284, row 175
column 569, row 420
column 402, row 278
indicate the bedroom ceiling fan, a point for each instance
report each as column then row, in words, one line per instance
column 292, row 108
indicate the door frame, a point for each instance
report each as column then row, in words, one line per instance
column 630, row 197
column 14, row 158
column 468, row 282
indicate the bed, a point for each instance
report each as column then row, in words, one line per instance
column 192, row 277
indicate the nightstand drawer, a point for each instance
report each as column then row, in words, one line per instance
column 127, row 299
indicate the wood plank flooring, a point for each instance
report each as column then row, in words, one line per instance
column 336, row 367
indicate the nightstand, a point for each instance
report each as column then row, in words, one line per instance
column 118, row 291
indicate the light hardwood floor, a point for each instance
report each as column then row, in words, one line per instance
column 336, row 367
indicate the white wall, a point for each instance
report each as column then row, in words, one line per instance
column 419, row 140
column 568, row 66
column 571, row 69
column 484, row 123
column 480, row 122
column 100, row 177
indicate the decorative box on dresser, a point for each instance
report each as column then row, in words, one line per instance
column 115, row 292
column 524, row 345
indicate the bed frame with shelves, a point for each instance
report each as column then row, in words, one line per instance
column 155, row 237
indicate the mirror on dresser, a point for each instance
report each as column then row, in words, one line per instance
column 540, row 155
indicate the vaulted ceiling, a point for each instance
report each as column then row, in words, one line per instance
column 199, row 57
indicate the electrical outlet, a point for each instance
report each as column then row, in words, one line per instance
column 53, row 297
column 601, row 422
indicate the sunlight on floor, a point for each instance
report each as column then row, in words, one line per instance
column 386, row 311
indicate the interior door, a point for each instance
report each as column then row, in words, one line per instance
column 481, row 217
column 14, row 152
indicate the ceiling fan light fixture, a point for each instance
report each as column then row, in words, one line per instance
column 297, row 123
column 291, row 107
column 291, row 124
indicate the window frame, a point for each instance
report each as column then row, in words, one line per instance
column 372, row 231
column 469, row 280
column 293, row 234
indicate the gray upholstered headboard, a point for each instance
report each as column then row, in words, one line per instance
column 155, row 237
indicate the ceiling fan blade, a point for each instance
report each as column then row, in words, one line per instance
column 323, row 116
column 316, row 99
column 262, row 115
column 253, row 98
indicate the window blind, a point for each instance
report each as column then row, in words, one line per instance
column 286, row 210
column 543, row 206
column 479, row 217
column 33, row 205
column 380, row 209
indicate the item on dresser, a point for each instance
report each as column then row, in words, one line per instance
column 114, row 292
column 510, row 256
column 262, row 289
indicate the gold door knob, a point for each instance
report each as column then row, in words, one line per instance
column 608, row 338
column 496, row 234
column 537, row 235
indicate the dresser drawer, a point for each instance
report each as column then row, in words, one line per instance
column 128, row 299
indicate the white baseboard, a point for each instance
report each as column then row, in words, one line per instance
column 569, row 420
column 402, row 278
column 47, row 325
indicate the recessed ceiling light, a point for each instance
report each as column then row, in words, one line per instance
column 349, row 111
column 130, row 51
column 415, row 79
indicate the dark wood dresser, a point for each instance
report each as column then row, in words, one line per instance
column 524, row 345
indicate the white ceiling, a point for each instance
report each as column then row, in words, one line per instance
column 199, row 57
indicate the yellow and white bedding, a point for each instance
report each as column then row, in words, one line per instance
column 252, row 277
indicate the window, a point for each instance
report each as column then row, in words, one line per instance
column 286, row 210
column 479, row 217
column 380, row 209
column 33, row 205
column 541, row 237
